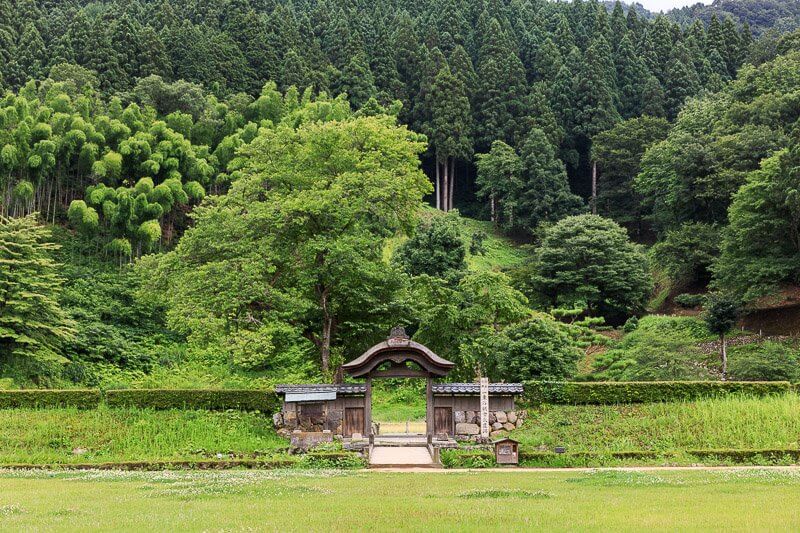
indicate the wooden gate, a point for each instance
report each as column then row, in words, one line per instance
column 353, row 421
column 443, row 420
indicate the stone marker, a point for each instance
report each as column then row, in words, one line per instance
column 467, row 429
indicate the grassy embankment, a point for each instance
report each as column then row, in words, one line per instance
column 755, row 500
column 731, row 423
column 69, row 436
column 64, row 436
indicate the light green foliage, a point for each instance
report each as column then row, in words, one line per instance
column 37, row 436
column 536, row 348
column 660, row 348
column 716, row 141
column 588, row 260
column 736, row 421
column 779, row 361
column 33, row 327
column 436, row 249
column 500, row 182
column 297, row 242
column 462, row 323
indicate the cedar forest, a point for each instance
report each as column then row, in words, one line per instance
column 239, row 192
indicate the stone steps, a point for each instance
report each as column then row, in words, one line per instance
column 401, row 457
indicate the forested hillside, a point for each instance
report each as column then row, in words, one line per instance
column 231, row 193
column 467, row 73
column 760, row 15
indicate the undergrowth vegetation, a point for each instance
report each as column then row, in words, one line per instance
column 731, row 422
column 63, row 436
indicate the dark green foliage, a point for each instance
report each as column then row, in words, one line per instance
column 247, row 400
column 761, row 248
column 721, row 313
column 690, row 300
column 687, row 253
column 588, row 260
column 436, row 249
column 81, row 399
column 618, row 153
column 716, row 142
column 544, row 194
column 576, row 393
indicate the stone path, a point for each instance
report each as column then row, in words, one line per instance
column 399, row 456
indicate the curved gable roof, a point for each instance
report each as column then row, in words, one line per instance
column 398, row 348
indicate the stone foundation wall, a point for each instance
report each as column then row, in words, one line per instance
column 468, row 423
column 287, row 420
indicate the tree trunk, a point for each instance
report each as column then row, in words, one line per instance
column 451, row 188
column 327, row 331
column 493, row 207
column 594, row 187
column 438, row 185
column 724, row 357
column 445, row 184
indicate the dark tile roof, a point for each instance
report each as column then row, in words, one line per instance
column 345, row 388
column 475, row 388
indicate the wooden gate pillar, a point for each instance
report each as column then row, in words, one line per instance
column 429, row 422
column 368, row 408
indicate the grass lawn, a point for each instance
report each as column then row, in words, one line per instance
column 111, row 435
column 749, row 500
column 731, row 422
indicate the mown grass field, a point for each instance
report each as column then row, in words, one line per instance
column 747, row 500
column 731, row 422
column 36, row 436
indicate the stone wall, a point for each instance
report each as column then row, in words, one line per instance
column 291, row 418
column 468, row 423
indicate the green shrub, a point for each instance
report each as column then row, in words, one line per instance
column 690, row 300
column 467, row 459
column 631, row 324
column 605, row 393
column 661, row 348
column 765, row 361
column 337, row 460
column 247, row 400
column 80, row 398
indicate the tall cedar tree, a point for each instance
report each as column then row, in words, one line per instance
column 544, row 194
column 449, row 132
column 500, row 103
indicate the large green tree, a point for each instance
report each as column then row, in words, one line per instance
column 588, row 261
column 33, row 327
column 297, row 242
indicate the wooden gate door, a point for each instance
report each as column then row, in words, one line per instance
column 443, row 420
column 353, row 421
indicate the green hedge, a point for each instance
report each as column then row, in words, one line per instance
column 604, row 393
column 246, row 400
column 81, row 398
column 485, row 459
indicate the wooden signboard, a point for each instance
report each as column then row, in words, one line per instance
column 485, row 408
